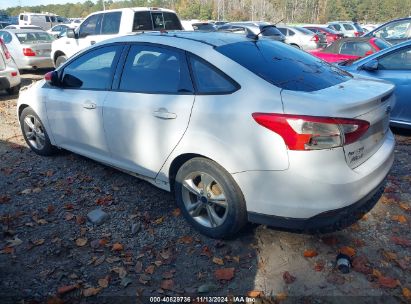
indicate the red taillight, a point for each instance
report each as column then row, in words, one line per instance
column 315, row 38
column 13, row 74
column 5, row 50
column 357, row 34
column 28, row 52
column 48, row 76
column 302, row 132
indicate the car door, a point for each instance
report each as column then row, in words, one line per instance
column 148, row 112
column 89, row 31
column 396, row 68
column 74, row 108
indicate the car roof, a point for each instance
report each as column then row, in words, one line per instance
column 214, row 39
column 136, row 9
column 16, row 31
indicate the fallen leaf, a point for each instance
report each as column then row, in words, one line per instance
column 406, row 293
column 54, row 300
column 360, row 264
column 89, row 292
column 288, row 278
column 69, row 216
column 14, row 242
column 186, row 239
column 330, row 240
column 224, row 274
column 50, row 209
column 389, row 256
column 150, row 269
column 65, row 289
column 100, row 260
column 4, row 199
column 159, row 220
column 38, row 242
column 309, row 253
column 388, row 282
column 399, row 218
column 41, row 222
column 49, row 173
column 376, row 273
column 68, row 206
column 103, row 242
column 401, row 241
column 104, row 200
column 117, row 247
column 121, row 271
column 319, row 266
column 405, row 206
column 218, row 261
column 168, row 275
column 139, row 267
column 80, row 219
column 206, row 251
column 144, row 279
column 167, row 284
column 103, row 283
column 281, row 296
column 80, row 242
column 26, row 191
column 176, row 212
column 255, row 293
column 347, row 251
column 36, row 190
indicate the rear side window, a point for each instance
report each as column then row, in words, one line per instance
column 150, row 69
column 142, row 22
column 284, row 66
column 6, row 37
column 111, row 23
column 209, row 80
column 93, row 70
column 336, row 26
column 348, row 27
column 283, row 31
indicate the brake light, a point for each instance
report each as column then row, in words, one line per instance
column 302, row 132
column 5, row 50
column 28, row 52
column 315, row 38
column 13, row 74
column 357, row 34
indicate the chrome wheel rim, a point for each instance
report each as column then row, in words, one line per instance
column 34, row 132
column 204, row 199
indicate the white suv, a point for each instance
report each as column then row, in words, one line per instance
column 109, row 24
column 347, row 28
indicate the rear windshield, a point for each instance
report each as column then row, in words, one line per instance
column 33, row 37
column 382, row 44
column 146, row 21
column 270, row 31
column 284, row 66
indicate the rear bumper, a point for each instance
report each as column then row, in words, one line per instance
column 8, row 81
column 33, row 62
column 329, row 220
column 316, row 182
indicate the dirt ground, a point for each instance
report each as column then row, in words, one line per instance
column 50, row 253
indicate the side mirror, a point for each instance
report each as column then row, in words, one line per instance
column 52, row 78
column 71, row 33
column 370, row 65
column 70, row 81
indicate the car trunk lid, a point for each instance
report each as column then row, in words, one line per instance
column 41, row 49
column 360, row 98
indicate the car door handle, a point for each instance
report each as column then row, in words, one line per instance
column 92, row 42
column 164, row 114
column 89, row 105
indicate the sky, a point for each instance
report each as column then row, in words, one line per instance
column 7, row 3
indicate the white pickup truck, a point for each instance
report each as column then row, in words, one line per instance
column 103, row 25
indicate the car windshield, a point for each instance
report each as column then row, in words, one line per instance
column 304, row 30
column 33, row 37
column 204, row 27
column 284, row 66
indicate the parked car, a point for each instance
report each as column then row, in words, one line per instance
column 204, row 26
column 350, row 49
column 107, row 24
column 174, row 109
column 9, row 73
column 392, row 64
column 30, row 49
column 394, row 31
column 302, row 38
column 330, row 34
column 250, row 28
column 347, row 28
column 58, row 30
column 44, row 20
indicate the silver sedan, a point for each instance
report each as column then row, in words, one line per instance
column 29, row 48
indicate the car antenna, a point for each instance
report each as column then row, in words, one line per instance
column 255, row 36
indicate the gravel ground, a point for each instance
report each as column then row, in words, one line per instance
column 49, row 252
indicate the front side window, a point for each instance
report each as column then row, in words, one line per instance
column 91, row 26
column 396, row 30
column 337, row 27
column 209, row 80
column 111, row 23
column 284, row 66
column 150, row 69
column 93, row 70
column 398, row 60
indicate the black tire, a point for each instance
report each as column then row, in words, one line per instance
column 60, row 60
column 46, row 149
column 235, row 215
column 14, row 90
